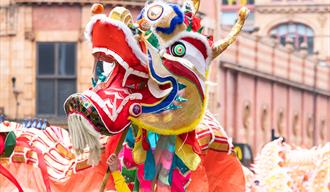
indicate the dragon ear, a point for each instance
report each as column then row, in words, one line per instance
column 97, row 8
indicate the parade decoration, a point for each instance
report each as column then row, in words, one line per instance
column 147, row 104
column 283, row 167
column 149, row 85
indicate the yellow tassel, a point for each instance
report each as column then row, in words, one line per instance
column 187, row 154
column 139, row 154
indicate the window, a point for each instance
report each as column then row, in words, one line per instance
column 301, row 35
column 56, row 76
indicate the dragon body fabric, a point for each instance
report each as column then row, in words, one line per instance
column 149, row 80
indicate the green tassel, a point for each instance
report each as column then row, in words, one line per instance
column 189, row 28
column 200, row 30
column 10, row 143
column 128, row 174
column 136, row 185
column 152, row 39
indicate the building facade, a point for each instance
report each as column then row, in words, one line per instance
column 277, row 75
column 261, row 82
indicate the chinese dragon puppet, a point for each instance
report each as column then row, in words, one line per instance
column 150, row 81
column 149, row 95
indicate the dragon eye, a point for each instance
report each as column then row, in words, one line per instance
column 155, row 12
column 178, row 49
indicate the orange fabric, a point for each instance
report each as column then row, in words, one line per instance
column 223, row 173
column 217, row 172
column 30, row 178
column 199, row 181
column 112, row 143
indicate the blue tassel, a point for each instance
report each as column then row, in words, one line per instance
column 152, row 139
column 182, row 167
column 130, row 138
column 149, row 166
column 28, row 123
column 23, row 123
column 39, row 124
column 34, row 123
column 44, row 125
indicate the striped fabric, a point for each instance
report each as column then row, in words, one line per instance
column 210, row 135
column 56, row 148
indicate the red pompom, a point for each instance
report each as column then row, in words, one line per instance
column 97, row 8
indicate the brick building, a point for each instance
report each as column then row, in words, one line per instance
column 265, row 80
column 277, row 74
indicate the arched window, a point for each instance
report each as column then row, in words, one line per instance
column 301, row 35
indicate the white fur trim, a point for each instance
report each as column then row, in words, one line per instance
column 128, row 70
column 128, row 34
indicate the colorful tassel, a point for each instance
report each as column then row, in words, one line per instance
column 149, row 166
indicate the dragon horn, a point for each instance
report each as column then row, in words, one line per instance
column 196, row 5
column 221, row 45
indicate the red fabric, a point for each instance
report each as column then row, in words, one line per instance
column 41, row 163
column 178, row 181
column 190, row 139
column 10, row 177
column 145, row 143
column 2, row 143
column 108, row 36
column 198, row 45
column 113, row 94
column 196, row 22
column 112, row 98
column 224, row 173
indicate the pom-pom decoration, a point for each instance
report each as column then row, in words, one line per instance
column 97, row 8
